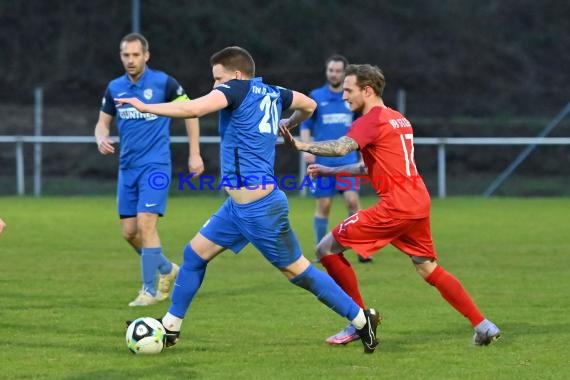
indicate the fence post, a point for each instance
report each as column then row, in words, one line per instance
column 20, row 185
column 38, row 119
column 441, row 180
column 136, row 16
column 401, row 101
column 302, row 173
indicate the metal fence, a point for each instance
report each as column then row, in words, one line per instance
column 440, row 142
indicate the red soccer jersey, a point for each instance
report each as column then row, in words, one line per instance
column 386, row 141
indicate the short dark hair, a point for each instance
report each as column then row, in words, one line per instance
column 234, row 58
column 337, row 58
column 135, row 37
column 367, row 75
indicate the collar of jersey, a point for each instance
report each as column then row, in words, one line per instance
column 331, row 95
column 140, row 82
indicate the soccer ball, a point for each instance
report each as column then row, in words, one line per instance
column 145, row 336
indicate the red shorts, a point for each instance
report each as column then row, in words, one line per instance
column 371, row 229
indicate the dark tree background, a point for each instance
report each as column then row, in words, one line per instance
column 454, row 57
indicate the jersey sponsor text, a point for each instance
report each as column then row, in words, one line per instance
column 133, row 113
column 338, row 118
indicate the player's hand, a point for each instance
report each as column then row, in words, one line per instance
column 196, row 164
column 133, row 102
column 286, row 123
column 309, row 158
column 288, row 137
column 2, row 226
column 105, row 145
column 315, row 170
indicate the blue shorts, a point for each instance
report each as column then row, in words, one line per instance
column 143, row 189
column 328, row 187
column 263, row 223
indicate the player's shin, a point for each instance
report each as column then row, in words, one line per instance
column 455, row 294
column 327, row 291
column 188, row 282
column 151, row 259
column 342, row 272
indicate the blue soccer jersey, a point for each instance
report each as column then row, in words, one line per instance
column 248, row 128
column 145, row 137
column 331, row 120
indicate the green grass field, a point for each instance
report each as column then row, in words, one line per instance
column 67, row 276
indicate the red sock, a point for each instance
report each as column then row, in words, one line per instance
column 342, row 272
column 454, row 293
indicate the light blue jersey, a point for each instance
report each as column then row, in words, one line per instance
column 248, row 130
column 145, row 137
column 331, row 120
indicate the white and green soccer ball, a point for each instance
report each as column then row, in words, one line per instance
column 145, row 336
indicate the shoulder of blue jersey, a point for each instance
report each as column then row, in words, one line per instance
column 319, row 92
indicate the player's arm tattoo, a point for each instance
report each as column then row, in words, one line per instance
column 332, row 148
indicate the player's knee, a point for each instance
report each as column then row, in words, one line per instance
column 321, row 252
column 352, row 202
column 424, row 265
column 148, row 234
column 324, row 246
column 130, row 234
column 324, row 207
column 192, row 261
column 353, row 207
column 146, row 228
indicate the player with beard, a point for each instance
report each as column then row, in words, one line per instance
column 401, row 216
column 144, row 164
column 331, row 120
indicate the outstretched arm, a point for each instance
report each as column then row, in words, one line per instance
column 212, row 102
column 332, row 148
column 321, row 170
column 329, row 148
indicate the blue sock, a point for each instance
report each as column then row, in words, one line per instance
column 327, row 291
column 187, row 283
column 152, row 260
column 320, row 225
column 164, row 265
column 138, row 251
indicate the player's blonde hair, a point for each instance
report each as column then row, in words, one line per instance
column 234, row 58
column 368, row 75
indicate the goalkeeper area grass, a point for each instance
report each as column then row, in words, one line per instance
column 67, row 277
